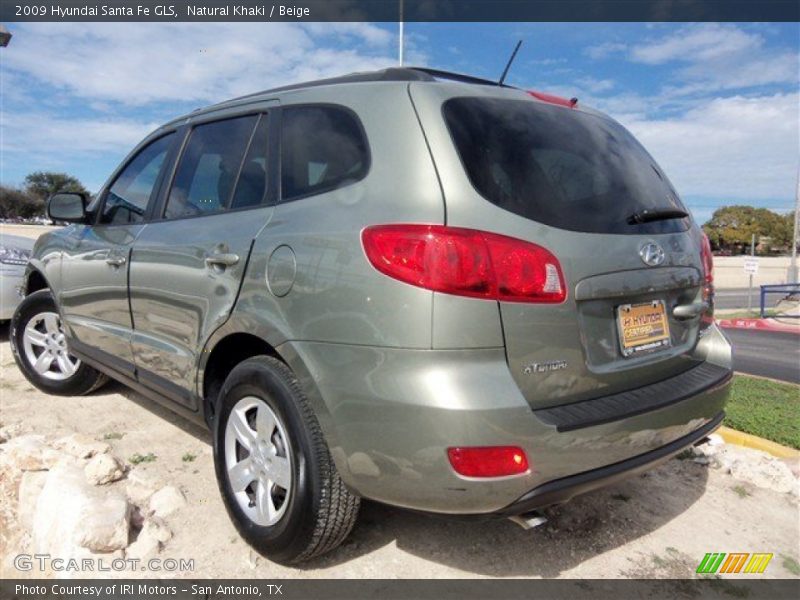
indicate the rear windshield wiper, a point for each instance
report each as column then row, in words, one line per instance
column 656, row 214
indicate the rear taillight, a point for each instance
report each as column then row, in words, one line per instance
column 708, row 267
column 708, row 261
column 488, row 461
column 465, row 262
column 708, row 280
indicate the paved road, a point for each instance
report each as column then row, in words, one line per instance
column 766, row 353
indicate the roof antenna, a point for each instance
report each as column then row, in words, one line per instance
column 508, row 65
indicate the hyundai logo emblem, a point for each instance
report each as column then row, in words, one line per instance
column 652, row 254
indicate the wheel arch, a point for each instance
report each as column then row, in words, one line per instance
column 231, row 345
column 34, row 280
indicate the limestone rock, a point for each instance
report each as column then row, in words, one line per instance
column 29, row 453
column 82, row 446
column 73, row 517
column 151, row 540
column 30, row 487
column 167, row 501
column 102, row 469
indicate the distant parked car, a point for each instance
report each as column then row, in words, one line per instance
column 14, row 254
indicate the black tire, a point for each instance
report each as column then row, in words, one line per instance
column 83, row 381
column 320, row 511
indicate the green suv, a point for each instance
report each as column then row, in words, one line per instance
column 411, row 286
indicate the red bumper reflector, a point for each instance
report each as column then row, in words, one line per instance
column 488, row 461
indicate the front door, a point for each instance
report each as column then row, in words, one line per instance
column 187, row 265
column 94, row 296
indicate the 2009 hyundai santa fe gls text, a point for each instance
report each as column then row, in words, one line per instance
column 411, row 286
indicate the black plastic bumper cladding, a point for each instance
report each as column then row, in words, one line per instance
column 597, row 411
column 561, row 490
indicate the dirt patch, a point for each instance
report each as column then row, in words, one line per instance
column 658, row 525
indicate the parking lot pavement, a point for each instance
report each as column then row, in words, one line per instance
column 660, row 524
column 766, row 353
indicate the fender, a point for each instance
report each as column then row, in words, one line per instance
column 254, row 325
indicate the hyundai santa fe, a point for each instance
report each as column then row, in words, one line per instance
column 410, row 286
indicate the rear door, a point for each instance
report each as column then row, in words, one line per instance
column 576, row 183
column 187, row 265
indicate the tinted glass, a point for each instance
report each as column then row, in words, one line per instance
column 559, row 167
column 127, row 199
column 322, row 148
column 251, row 189
column 208, row 168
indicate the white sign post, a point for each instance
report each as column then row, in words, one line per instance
column 751, row 268
column 751, row 265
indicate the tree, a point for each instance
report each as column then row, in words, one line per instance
column 732, row 227
column 19, row 203
column 44, row 184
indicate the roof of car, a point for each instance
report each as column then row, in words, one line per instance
column 392, row 74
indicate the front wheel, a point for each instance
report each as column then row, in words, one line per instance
column 40, row 349
column 274, row 469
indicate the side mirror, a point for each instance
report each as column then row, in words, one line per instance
column 67, row 206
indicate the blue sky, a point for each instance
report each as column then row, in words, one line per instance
column 716, row 104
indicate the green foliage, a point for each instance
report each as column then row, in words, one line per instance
column 44, row 184
column 19, row 203
column 138, row 459
column 731, row 228
column 765, row 408
column 30, row 201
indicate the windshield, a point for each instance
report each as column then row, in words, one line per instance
column 560, row 167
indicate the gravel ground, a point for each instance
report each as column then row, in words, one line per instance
column 657, row 525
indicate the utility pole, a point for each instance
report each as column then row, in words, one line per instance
column 750, row 288
column 791, row 276
column 401, row 33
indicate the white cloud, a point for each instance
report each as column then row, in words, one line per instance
column 718, row 57
column 139, row 63
column 697, row 43
column 52, row 143
column 595, row 86
column 737, row 148
column 604, row 50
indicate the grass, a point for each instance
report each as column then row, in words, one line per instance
column 765, row 408
column 113, row 435
column 188, row 457
column 791, row 565
column 137, row 458
column 741, row 491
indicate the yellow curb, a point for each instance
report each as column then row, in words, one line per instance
column 731, row 436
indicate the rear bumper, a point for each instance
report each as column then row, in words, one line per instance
column 389, row 415
column 566, row 488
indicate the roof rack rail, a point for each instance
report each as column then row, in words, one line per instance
column 389, row 74
column 440, row 74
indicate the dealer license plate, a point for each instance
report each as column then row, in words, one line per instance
column 642, row 327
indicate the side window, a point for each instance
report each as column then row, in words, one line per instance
column 209, row 166
column 322, row 148
column 127, row 198
column 251, row 189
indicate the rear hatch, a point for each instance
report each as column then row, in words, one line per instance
column 578, row 184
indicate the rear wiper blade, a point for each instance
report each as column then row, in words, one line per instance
column 656, row 214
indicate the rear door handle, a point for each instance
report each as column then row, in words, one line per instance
column 222, row 260
column 116, row 261
column 688, row 311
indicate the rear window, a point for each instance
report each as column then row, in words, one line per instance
column 560, row 167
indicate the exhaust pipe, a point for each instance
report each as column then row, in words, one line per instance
column 529, row 520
